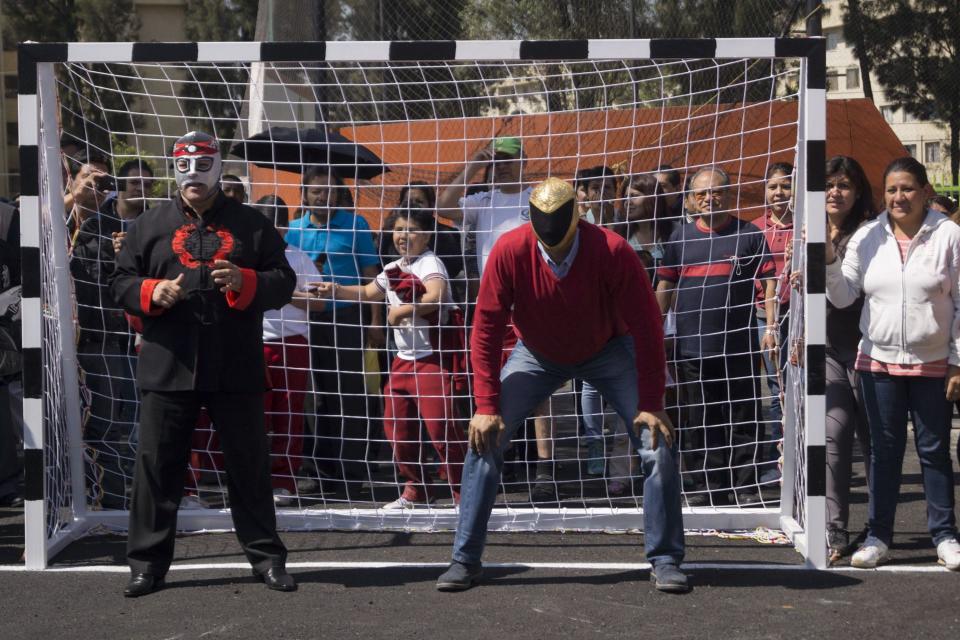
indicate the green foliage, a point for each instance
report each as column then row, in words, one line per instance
column 69, row 20
column 543, row 19
column 466, row 95
column 213, row 94
column 41, row 20
column 121, row 152
column 86, row 114
column 913, row 48
column 577, row 19
column 372, row 93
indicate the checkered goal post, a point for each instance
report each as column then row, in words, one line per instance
column 382, row 116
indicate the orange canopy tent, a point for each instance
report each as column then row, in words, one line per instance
column 744, row 139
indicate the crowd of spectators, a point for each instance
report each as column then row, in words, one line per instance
column 721, row 269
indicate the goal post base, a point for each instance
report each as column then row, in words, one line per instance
column 598, row 520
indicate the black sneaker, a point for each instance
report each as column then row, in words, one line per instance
column 459, row 576
column 544, row 489
column 11, row 501
column 668, row 578
column 698, row 499
column 746, row 498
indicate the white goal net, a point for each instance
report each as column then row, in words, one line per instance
column 337, row 148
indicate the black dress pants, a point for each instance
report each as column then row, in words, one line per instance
column 167, row 421
column 343, row 439
column 110, row 419
column 719, row 429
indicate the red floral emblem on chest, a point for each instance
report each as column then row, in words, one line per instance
column 195, row 245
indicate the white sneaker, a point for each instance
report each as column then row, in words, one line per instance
column 282, row 497
column 403, row 503
column 193, row 502
column 399, row 503
column 870, row 554
column 948, row 552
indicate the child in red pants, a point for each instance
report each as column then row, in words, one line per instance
column 420, row 383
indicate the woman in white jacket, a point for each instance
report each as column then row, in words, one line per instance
column 906, row 263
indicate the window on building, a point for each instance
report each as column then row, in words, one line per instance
column 931, row 152
column 909, row 117
column 889, row 112
column 833, row 39
column 853, row 78
column 833, row 82
column 911, row 149
column 10, row 85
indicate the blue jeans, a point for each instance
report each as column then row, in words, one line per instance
column 773, row 432
column 888, row 400
column 592, row 404
column 528, row 379
column 775, row 411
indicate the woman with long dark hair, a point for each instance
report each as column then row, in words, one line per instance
column 849, row 203
column 777, row 226
column 647, row 225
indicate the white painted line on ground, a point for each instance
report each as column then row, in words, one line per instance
column 557, row 566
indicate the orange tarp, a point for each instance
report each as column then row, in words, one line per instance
column 743, row 139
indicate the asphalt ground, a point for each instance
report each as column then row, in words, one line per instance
column 742, row 589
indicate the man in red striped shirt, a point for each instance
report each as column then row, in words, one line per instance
column 708, row 276
column 583, row 307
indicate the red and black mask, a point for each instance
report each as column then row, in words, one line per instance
column 196, row 158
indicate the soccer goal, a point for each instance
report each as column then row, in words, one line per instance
column 392, row 120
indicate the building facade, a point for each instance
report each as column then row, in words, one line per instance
column 160, row 21
column 9, row 154
column 927, row 141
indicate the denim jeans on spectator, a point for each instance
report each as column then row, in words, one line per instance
column 527, row 380
column 889, row 400
column 592, row 404
column 621, row 462
column 773, row 432
column 775, row 410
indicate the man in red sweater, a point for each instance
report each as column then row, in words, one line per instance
column 583, row 307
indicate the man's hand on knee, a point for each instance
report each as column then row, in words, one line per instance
column 659, row 424
column 485, row 432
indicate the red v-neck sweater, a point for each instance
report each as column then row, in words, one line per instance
column 606, row 294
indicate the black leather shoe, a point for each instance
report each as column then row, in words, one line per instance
column 11, row 501
column 142, row 584
column 746, row 498
column 276, row 578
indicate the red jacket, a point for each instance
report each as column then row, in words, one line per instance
column 606, row 294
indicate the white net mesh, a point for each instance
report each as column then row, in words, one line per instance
column 628, row 132
column 58, row 452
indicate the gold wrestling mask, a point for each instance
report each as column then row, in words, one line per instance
column 553, row 213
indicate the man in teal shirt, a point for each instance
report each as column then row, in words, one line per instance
column 341, row 244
